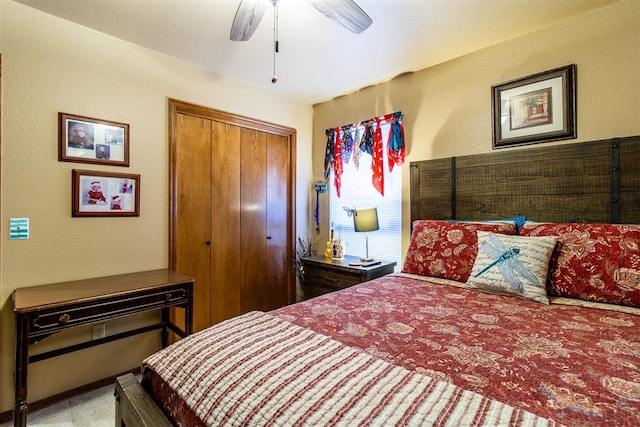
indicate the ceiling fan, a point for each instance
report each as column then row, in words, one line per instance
column 344, row 12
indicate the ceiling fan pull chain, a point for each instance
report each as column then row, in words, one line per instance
column 276, row 43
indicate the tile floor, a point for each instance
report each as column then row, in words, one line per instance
column 95, row 408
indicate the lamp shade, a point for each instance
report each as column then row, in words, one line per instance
column 365, row 219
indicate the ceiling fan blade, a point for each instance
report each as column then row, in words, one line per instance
column 345, row 12
column 248, row 16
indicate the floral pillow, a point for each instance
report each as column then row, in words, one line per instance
column 593, row 262
column 512, row 265
column 447, row 249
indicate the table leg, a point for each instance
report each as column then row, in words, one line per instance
column 188, row 311
column 21, row 363
column 165, row 328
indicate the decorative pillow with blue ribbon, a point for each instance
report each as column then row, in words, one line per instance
column 512, row 265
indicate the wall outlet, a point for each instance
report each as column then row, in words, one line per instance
column 99, row 331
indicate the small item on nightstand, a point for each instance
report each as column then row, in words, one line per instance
column 327, row 251
column 337, row 249
column 370, row 264
column 355, row 263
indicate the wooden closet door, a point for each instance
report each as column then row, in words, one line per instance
column 253, row 227
column 193, row 210
column 278, row 183
column 226, row 256
column 232, row 223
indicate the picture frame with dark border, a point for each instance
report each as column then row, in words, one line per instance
column 88, row 140
column 99, row 193
column 535, row 109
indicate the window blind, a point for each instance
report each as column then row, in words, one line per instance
column 357, row 191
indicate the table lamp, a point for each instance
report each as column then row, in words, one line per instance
column 364, row 221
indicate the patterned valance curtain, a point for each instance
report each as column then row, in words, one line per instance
column 348, row 143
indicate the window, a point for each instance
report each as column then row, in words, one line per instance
column 357, row 191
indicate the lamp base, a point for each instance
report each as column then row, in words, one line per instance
column 366, row 244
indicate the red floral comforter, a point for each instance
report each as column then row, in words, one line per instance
column 259, row 370
column 577, row 365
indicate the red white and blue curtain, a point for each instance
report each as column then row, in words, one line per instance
column 350, row 142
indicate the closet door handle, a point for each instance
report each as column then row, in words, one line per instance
column 268, row 237
column 208, row 242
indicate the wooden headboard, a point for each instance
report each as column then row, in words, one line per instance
column 596, row 181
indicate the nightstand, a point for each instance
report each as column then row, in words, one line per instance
column 323, row 275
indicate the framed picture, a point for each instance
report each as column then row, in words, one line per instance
column 534, row 109
column 104, row 194
column 88, row 140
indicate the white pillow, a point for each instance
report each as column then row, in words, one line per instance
column 512, row 265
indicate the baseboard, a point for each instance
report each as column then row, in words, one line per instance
column 43, row 403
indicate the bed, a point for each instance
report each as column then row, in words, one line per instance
column 453, row 339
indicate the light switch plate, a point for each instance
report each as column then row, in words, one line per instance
column 18, row 228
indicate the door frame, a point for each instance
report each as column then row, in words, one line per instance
column 180, row 107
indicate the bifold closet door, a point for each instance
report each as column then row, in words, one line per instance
column 253, row 225
column 193, row 243
column 264, row 220
column 227, row 259
column 278, row 186
column 232, row 196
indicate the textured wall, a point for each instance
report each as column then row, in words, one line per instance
column 447, row 108
column 51, row 65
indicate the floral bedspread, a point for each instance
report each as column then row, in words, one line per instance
column 259, row 370
column 577, row 365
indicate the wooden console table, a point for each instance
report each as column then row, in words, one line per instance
column 41, row 311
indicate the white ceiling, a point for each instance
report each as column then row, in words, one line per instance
column 318, row 59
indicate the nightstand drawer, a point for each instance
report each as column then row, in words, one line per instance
column 313, row 291
column 332, row 279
